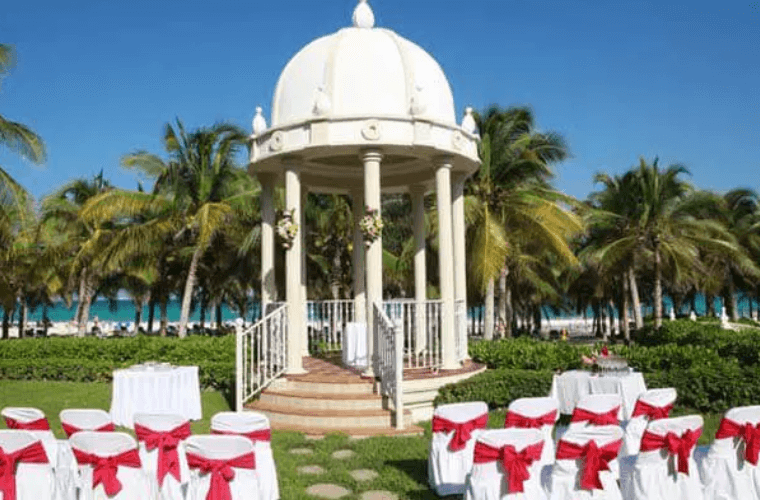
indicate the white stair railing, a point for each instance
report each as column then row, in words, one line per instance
column 420, row 325
column 390, row 356
column 326, row 323
column 261, row 354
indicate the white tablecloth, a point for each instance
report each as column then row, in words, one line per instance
column 355, row 345
column 158, row 390
column 570, row 386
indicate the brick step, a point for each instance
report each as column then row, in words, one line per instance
column 321, row 401
column 326, row 419
column 408, row 430
column 338, row 385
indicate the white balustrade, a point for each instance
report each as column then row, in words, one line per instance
column 390, row 352
column 326, row 323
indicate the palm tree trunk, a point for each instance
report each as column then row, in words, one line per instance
column 80, row 297
column 86, row 301
column 21, row 316
column 164, row 316
column 503, row 300
column 624, row 312
column 636, row 300
column 187, row 296
column 151, row 311
column 138, row 311
column 6, row 324
column 733, row 300
column 219, row 316
column 710, row 304
column 657, row 288
column 488, row 320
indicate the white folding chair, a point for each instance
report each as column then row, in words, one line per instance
column 730, row 467
column 224, row 462
column 34, row 478
column 75, row 420
column 161, row 441
column 665, row 468
column 507, row 465
column 598, row 409
column 109, row 466
column 653, row 404
column 535, row 413
column 450, row 460
column 254, row 426
column 25, row 419
column 585, row 464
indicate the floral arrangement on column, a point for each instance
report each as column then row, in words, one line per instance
column 287, row 229
column 371, row 225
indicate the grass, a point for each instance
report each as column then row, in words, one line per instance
column 401, row 462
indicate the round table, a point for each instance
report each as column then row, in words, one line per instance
column 569, row 387
column 159, row 389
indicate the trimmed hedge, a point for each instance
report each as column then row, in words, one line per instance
column 497, row 387
column 94, row 360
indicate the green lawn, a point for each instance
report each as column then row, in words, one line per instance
column 400, row 461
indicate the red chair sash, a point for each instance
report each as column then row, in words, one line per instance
column 651, row 412
column 514, row 463
column 166, row 442
column 522, row 422
column 462, row 431
column 680, row 446
column 104, row 469
column 41, row 424
column 32, row 454
column 262, row 435
column 607, row 418
column 595, row 459
column 221, row 472
column 71, row 429
column 748, row 432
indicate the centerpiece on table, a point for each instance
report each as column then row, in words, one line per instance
column 606, row 363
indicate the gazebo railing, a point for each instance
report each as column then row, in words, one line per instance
column 390, row 356
column 261, row 354
column 420, row 325
column 326, row 323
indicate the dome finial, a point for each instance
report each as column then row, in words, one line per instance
column 468, row 122
column 259, row 122
column 363, row 16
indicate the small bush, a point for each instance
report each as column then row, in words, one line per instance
column 498, row 387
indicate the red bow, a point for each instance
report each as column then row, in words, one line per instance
column 70, row 429
column 674, row 444
column 515, row 464
column 748, row 432
column 32, row 454
column 651, row 412
column 608, row 418
column 262, row 435
column 221, row 472
column 166, row 442
column 462, row 431
column 104, row 469
column 595, row 459
column 41, row 424
column 522, row 422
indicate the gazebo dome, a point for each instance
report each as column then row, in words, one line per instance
column 362, row 71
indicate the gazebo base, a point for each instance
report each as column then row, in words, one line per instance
column 331, row 398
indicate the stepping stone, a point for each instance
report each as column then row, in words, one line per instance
column 310, row 469
column 329, row 491
column 363, row 474
column 314, row 437
column 301, row 451
column 343, row 454
column 378, row 495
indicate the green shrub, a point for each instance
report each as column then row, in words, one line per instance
column 498, row 387
column 527, row 354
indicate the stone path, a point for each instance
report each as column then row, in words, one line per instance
column 343, row 454
column 310, row 469
column 363, row 474
column 378, row 495
column 301, row 451
column 329, row 491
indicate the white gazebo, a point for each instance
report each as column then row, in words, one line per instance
column 363, row 112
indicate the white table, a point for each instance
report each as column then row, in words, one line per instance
column 158, row 390
column 355, row 345
column 569, row 387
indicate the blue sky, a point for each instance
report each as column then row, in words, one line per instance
column 619, row 79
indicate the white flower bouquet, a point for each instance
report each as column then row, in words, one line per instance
column 371, row 225
column 287, row 229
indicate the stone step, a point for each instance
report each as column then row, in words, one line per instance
column 339, row 385
column 320, row 400
column 326, row 419
column 408, row 430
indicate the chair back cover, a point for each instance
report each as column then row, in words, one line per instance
column 25, row 472
column 109, row 466
column 507, row 465
column 598, row 409
column 451, row 447
column 162, row 452
column 535, row 413
column 27, row 419
column 653, row 404
column 586, row 466
column 74, row 420
column 730, row 467
column 255, row 426
column 220, row 463
column 665, row 466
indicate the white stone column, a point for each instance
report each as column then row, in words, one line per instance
column 420, row 267
column 360, row 299
column 446, row 260
column 460, row 255
column 374, row 255
column 268, row 284
column 293, row 276
column 304, row 294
